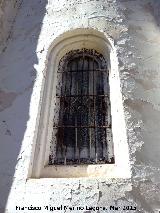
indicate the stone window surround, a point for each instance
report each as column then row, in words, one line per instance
column 72, row 40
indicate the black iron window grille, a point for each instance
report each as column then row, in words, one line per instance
column 82, row 121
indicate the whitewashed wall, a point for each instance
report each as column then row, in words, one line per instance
column 134, row 26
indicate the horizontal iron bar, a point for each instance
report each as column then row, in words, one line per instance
column 77, row 163
column 70, row 126
column 95, row 70
column 70, row 96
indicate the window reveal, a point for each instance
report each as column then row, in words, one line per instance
column 82, row 124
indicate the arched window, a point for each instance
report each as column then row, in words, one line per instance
column 82, row 121
column 80, row 91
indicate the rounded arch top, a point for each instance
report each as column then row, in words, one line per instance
column 87, row 38
column 88, row 54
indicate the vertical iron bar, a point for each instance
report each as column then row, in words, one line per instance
column 89, row 113
column 105, row 142
column 70, row 73
column 103, row 135
column 65, row 113
column 106, row 116
column 76, row 141
column 65, row 155
column 81, row 109
column 77, row 114
column 102, row 114
column 59, row 150
column 69, row 107
column 94, row 112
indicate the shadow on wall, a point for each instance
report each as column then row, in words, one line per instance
column 16, row 84
column 146, row 30
column 153, row 8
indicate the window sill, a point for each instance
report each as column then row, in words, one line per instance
column 77, row 171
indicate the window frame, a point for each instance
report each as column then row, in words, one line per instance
column 39, row 168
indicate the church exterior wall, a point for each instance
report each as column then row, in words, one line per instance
column 134, row 28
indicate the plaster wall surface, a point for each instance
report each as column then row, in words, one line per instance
column 8, row 11
column 134, row 27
